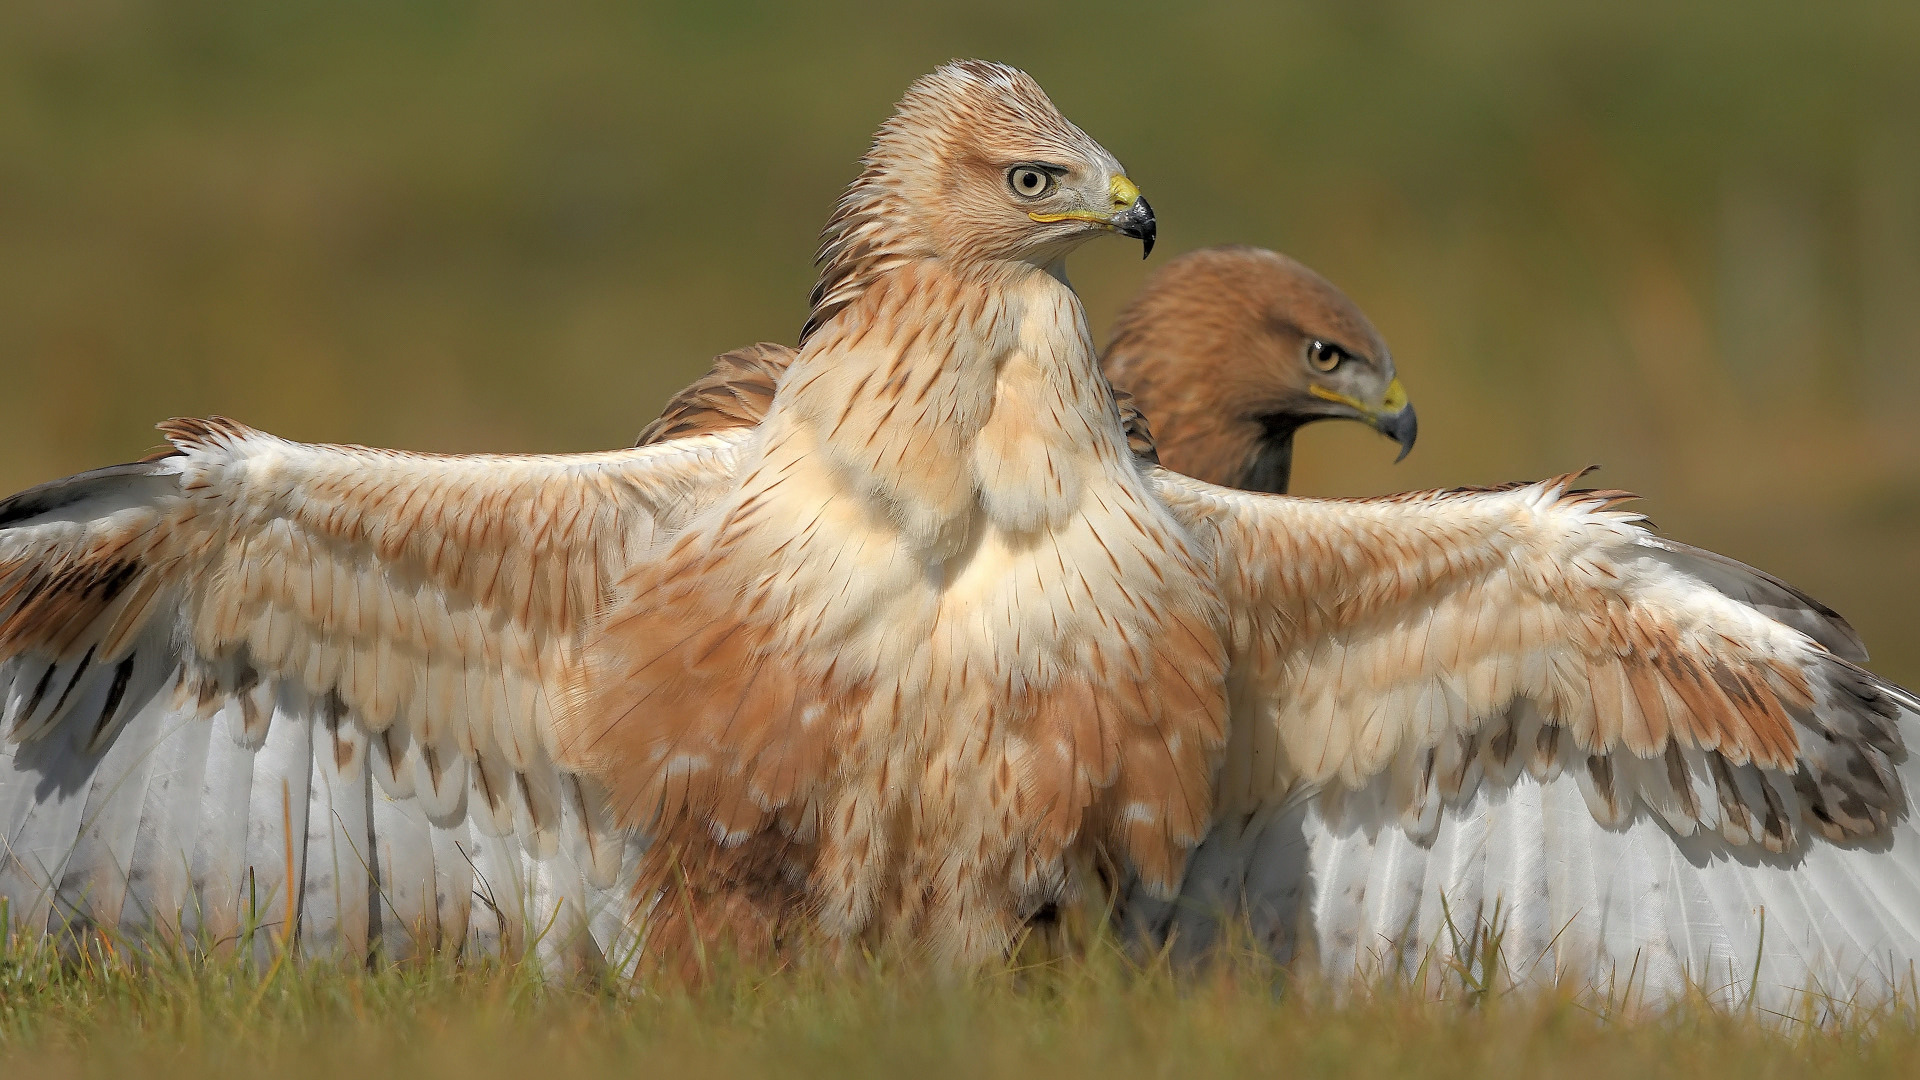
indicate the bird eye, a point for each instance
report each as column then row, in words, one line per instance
column 1325, row 356
column 1028, row 182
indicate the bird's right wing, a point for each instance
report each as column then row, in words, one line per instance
column 256, row 688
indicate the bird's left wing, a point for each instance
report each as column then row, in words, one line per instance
column 252, row 680
column 1451, row 699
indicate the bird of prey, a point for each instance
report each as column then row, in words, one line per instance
column 895, row 663
column 1225, row 353
column 1230, row 350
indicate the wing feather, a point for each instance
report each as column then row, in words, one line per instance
column 162, row 858
column 1634, row 752
column 404, row 873
column 255, row 688
column 1553, row 598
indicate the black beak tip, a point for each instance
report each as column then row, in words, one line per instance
column 1137, row 221
column 1402, row 427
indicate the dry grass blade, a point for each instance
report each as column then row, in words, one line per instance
column 1096, row 1012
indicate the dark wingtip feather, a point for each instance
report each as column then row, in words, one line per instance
column 1764, row 592
column 59, row 494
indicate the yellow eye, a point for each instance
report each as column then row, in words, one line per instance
column 1325, row 356
column 1028, row 182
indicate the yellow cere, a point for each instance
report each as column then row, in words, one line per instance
column 1122, row 190
column 1391, row 402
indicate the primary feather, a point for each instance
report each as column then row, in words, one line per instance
column 1645, row 768
column 259, row 689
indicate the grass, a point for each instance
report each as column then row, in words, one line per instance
column 1099, row 1014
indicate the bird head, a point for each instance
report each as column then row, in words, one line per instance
column 975, row 166
column 1231, row 350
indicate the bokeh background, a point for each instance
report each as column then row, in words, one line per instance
column 1678, row 240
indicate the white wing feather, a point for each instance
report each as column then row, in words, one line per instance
column 255, row 671
column 1634, row 913
column 1408, row 807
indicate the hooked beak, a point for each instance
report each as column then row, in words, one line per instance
column 1127, row 214
column 1393, row 416
column 1136, row 221
column 1402, row 427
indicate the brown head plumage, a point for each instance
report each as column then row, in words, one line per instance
column 1230, row 350
column 974, row 166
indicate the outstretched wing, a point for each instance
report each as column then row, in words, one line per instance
column 1451, row 699
column 255, row 687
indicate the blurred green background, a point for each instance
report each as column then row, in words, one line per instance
column 1679, row 240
